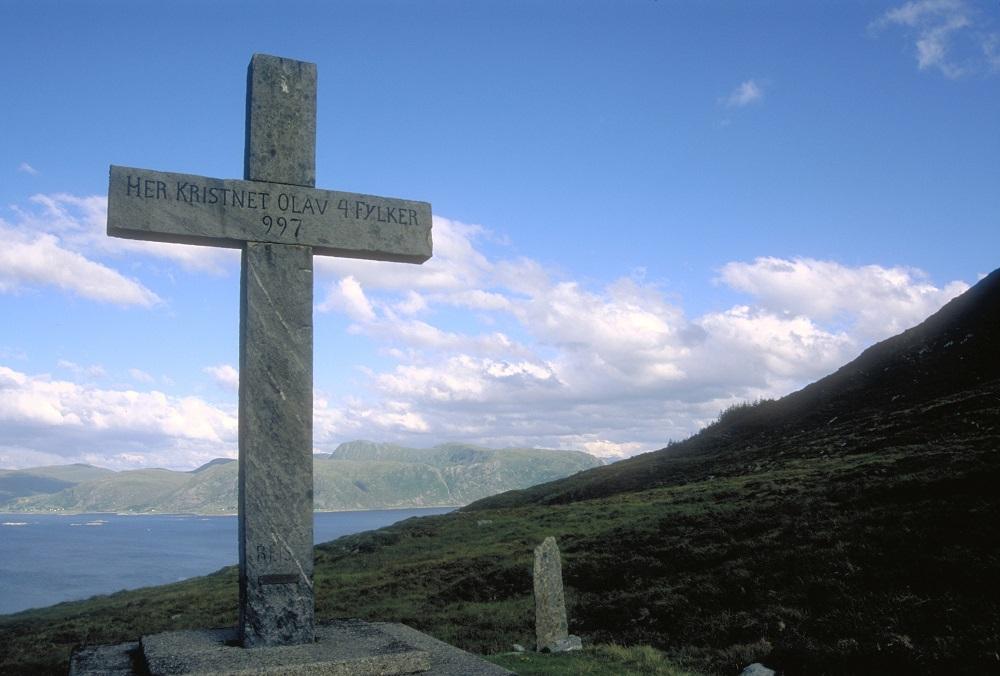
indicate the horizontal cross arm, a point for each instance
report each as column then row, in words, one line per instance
column 189, row 209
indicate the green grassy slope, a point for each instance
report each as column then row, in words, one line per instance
column 872, row 563
column 139, row 490
column 39, row 480
column 75, row 473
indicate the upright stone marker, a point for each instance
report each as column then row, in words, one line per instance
column 550, row 605
column 551, row 628
column 279, row 220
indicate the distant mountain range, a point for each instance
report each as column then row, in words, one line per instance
column 357, row 475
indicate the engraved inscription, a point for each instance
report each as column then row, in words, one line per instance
column 282, row 224
column 147, row 204
column 272, row 554
column 191, row 192
column 289, row 578
column 363, row 211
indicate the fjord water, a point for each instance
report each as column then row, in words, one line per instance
column 46, row 559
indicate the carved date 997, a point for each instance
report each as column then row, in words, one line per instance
column 281, row 224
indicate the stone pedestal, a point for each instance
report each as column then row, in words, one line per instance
column 342, row 648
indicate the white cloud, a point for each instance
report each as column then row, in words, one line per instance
column 948, row 35
column 603, row 448
column 348, row 296
column 876, row 302
column 140, row 376
column 26, row 168
column 411, row 305
column 225, row 376
column 752, row 348
column 58, row 419
column 354, row 419
column 40, row 260
column 475, row 299
column 615, row 369
column 456, row 266
column 748, row 91
column 92, row 371
column 54, row 242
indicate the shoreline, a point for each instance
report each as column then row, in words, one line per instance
column 220, row 514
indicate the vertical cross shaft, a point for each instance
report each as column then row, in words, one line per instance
column 275, row 398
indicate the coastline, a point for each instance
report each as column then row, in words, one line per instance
column 4, row 514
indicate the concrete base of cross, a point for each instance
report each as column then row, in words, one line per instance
column 343, row 647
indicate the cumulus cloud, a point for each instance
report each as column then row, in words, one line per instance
column 26, row 168
column 60, row 419
column 875, row 301
column 612, row 370
column 225, row 376
column 348, row 296
column 748, row 91
column 456, row 266
column 948, row 35
column 31, row 260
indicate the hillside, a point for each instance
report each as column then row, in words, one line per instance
column 18, row 483
column 358, row 475
column 849, row 528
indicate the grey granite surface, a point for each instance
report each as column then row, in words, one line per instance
column 342, row 647
column 275, row 403
column 347, row 648
column 550, row 604
column 189, row 209
column 281, row 121
column 275, row 445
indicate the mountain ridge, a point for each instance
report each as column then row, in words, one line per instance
column 366, row 475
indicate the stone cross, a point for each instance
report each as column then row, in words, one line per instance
column 279, row 220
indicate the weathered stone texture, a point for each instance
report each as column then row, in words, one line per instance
column 550, row 604
column 122, row 659
column 275, row 403
column 189, row 209
column 345, row 648
column 281, row 121
column 342, row 647
column 275, row 445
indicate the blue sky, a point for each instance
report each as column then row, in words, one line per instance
column 644, row 212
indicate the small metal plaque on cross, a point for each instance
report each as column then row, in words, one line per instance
column 279, row 220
